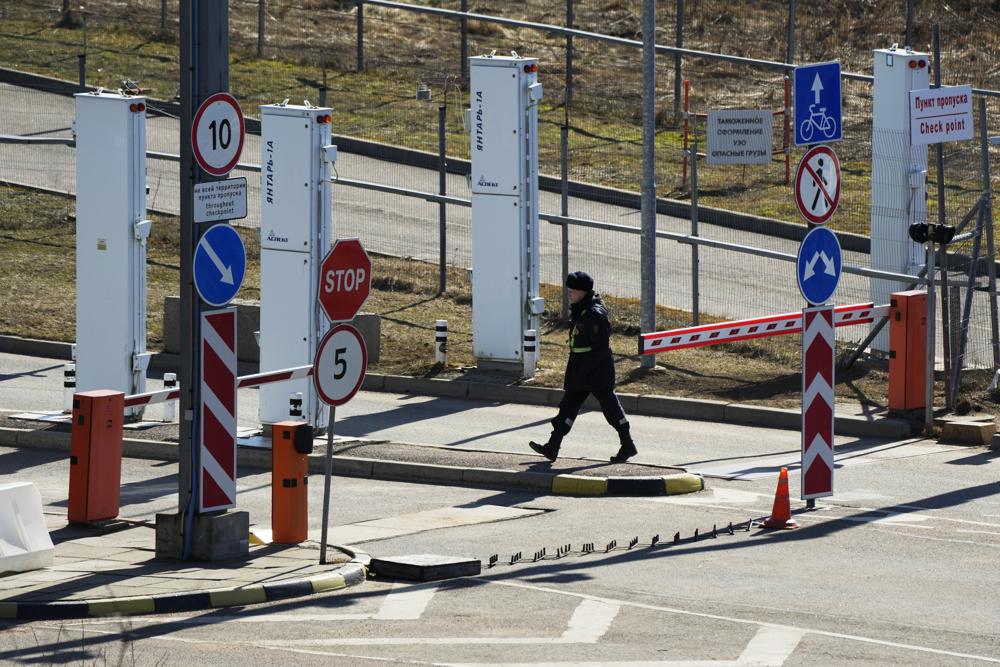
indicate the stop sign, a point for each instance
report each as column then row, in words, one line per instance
column 345, row 278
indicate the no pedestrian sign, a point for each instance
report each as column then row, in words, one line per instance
column 817, row 184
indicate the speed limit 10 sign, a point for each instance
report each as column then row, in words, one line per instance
column 217, row 134
column 340, row 365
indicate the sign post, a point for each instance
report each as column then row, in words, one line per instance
column 204, row 78
column 345, row 278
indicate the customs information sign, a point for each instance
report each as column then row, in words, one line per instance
column 739, row 136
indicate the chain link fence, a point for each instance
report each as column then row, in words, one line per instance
column 311, row 51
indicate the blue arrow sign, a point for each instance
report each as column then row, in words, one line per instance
column 817, row 104
column 818, row 265
column 220, row 262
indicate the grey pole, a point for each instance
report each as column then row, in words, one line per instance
column 323, row 89
column 163, row 17
column 327, row 475
column 946, row 336
column 564, row 210
column 790, row 35
column 569, row 56
column 647, row 252
column 959, row 360
column 81, row 63
column 360, row 39
column 695, row 292
column 464, row 50
column 204, row 70
column 260, row 27
column 909, row 23
column 442, row 207
column 930, row 345
column 187, row 315
column 679, row 43
column 991, row 268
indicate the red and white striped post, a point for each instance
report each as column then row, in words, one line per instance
column 217, row 421
column 817, row 401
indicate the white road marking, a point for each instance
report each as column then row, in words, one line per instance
column 589, row 622
column 771, row 646
column 405, row 602
column 743, row 621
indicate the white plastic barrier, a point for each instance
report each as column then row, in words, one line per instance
column 24, row 541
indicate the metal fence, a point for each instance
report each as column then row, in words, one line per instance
column 311, row 50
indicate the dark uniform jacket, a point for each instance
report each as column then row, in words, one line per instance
column 591, row 366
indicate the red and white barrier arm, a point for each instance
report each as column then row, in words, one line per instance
column 759, row 327
column 150, row 397
column 274, row 376
column 164, row 395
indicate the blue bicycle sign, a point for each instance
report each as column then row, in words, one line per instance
column 817, row 104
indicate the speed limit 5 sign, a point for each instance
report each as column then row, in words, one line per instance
column 217, row 134
column 340, row 365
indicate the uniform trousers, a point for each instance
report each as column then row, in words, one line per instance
column 572, row 401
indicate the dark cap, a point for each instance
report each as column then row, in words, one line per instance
column 580, row 280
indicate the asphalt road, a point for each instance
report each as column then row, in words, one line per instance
column 716, row 450
column 898, row 568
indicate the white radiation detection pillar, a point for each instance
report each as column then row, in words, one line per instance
column 294, row 237
column 111, row 233
column 899, row 173
column 503, row 127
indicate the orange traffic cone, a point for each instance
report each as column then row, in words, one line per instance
column 781, row 513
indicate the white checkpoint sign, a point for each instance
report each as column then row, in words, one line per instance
column 940, row 114
column 217, row 134
column 340, row 365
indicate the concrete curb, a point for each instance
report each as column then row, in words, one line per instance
column 667, row 485
column 637, row 404
column 425, row 473
column 350, row 574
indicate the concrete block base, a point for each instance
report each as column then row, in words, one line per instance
column 214, row 537
column 971, row 431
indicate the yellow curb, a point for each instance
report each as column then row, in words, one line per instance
column 133, row 605
column 238, row 596
column 683, row 482
column 8, row 610
column 580, row 485
column 330, row 583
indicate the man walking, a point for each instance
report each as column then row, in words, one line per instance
column 590, row 370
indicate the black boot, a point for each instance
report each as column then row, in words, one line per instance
column 550, row 449
column 627, row 449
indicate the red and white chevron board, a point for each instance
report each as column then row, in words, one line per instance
column 817, row 402
column 758, row 327
column 217, row 461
